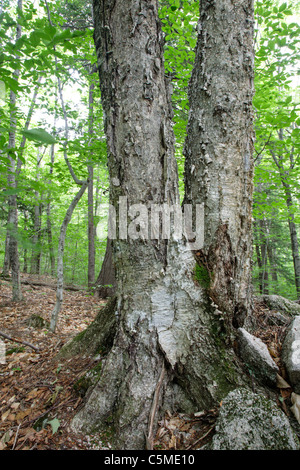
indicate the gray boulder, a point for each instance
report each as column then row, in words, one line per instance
column 281, row 304
column 257, row 358
column 248, row 421
column 291, row 353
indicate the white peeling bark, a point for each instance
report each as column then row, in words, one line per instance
column 219, row 148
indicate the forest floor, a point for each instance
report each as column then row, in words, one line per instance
column 37, row 395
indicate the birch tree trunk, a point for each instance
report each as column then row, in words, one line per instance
column 219, row 147
column 91, row 228
column 171, row 349
column 12, row 184
column 37, row 223
column 48, row 212
column 60, row 256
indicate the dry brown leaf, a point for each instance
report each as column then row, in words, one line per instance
column 32, row 394
column 174, row 423
column 295, row 399
column 2, row 445
column 29, row 434
column 11, row 400
column 22, row 414
column 5, row 415
column 185, row 427
column 281, row 383
column 5, row 439
column 172, row 442
column 15, row 405
column 273, row 350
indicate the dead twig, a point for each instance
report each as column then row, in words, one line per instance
column 149, row 438
column 19, row 341
column 200, row 438
column 16, row 437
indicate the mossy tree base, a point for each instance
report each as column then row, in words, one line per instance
column 167, row 325
column 97, row 338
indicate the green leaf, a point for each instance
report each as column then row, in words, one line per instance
column 39, row 135
column 54, row 423
column 282, row 7
column 12, row 191
column 11, row 83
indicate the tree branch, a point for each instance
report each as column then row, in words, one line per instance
column 18, row 341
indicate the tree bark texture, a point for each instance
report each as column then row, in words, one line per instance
column 170, row 350
column 105, row 285
column 219, row 148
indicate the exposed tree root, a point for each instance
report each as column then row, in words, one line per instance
column 98, row 337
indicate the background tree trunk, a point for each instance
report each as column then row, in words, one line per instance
column 105, row 285
column 171, row 349
column 5, row 269
column 91, row 228
column 60, row 256
column 37, row 224
column 12, row 184
column 284, row 175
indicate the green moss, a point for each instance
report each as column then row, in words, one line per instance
column 97, row 337
column 36, row 321
column 201, row 275
column 15, row 350
column 79, row 336
column 89, row 379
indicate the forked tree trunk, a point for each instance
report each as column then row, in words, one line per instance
column 171, row 349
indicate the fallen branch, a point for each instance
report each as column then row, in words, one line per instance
column 200, row 438
column 51, row 286
column 18, row 341
column 16, row 437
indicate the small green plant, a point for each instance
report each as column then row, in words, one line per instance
column 43, row 421
column 15, row 350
